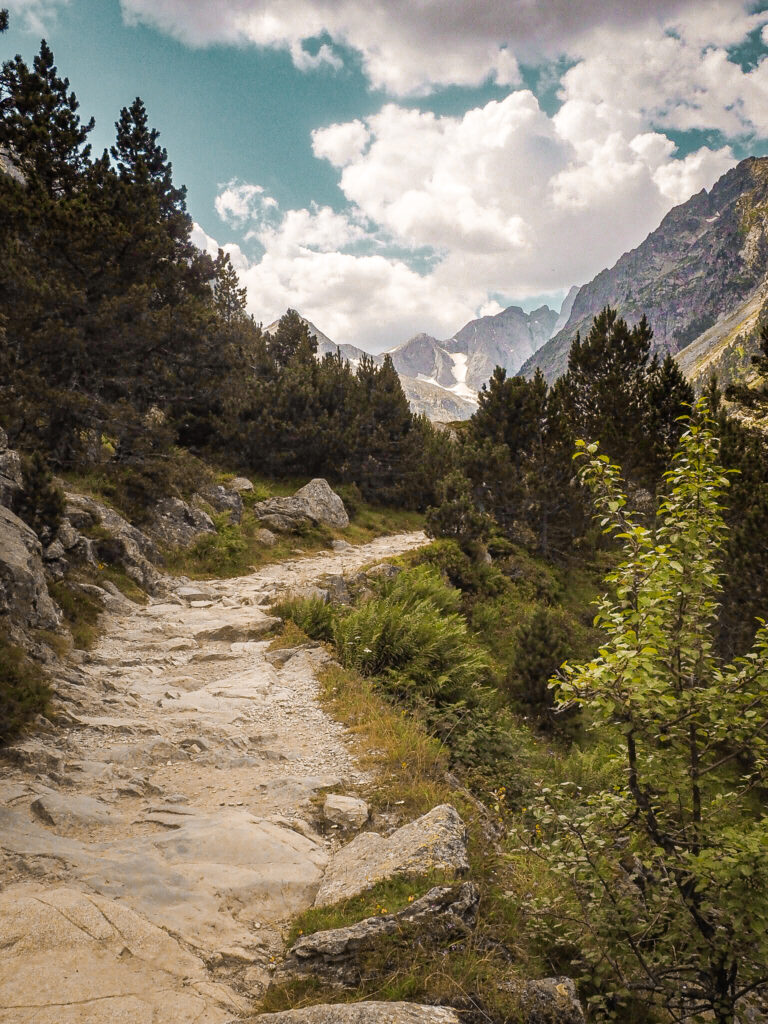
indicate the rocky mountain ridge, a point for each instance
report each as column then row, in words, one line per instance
column 708, row 257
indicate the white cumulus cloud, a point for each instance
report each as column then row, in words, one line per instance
column 34, row 15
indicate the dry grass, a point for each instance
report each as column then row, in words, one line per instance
column 410, row 776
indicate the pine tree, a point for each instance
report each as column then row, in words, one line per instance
column 40, row 129
column 229, row 298
column 670, row 398
column 606, row 387
column 141, row 160
column 290, row 338
column 3, row 19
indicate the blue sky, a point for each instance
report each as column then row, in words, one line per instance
column 391, row 167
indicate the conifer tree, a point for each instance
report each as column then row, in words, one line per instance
column 40, row 128
column 290, row 338
column 606, row 387
column 140, row 159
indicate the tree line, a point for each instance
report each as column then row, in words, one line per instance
column 115, row 327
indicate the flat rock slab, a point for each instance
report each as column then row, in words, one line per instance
column 443, row 911
column 190, row 877
column 363, row 1013
column 74, row 958
column 435, row 842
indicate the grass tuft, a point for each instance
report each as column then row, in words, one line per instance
column 24, row 689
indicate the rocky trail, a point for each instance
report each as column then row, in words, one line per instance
column 154, row 841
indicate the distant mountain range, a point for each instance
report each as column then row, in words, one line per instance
column 700, row 277
column 441, row 378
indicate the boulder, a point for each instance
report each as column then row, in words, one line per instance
column 362, row 1013
column 240, row 484
column 124, row 545
column 337, row 589
column 23, row 592
column 11, row 481
column 551, row 1001
column 324, row 504
column 341, row 545
column 222, row 500
column 266, row 537
column 282, row 515
column 434, row 842
column 175, row 524
column 315, row 503
column 444, row 912
column 347, row 811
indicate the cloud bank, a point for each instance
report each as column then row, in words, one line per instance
column 444, row 215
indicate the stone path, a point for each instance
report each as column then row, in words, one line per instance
column 151, row 846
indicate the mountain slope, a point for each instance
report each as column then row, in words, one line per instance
column 706, row 258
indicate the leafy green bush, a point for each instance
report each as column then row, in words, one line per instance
column 312, row 615
column 24, row 690
column 220, row 553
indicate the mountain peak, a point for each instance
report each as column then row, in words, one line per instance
column 707, row 256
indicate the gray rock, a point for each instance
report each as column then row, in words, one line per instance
column 283, row 655
column 363, row 1013
column 341, row 545
column 193, row 592
column 384, row 571
column 54, row 552
column 445, row 911
column 266, row 537
column 324, row 503
column 240, row 484
column 434, row 842
column 347, row 811
column 283, row 518
column 11, row 480
column 223, row 500
column 308, row 593
column 68, row 535
column 175, row 524
column 551, row 1001
column 23, row 592
column 82, row 957
column 125, row 546
column 337, row 589
column 68, row 809
column 315, row 503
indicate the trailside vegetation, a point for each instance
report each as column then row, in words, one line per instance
column 665, row 875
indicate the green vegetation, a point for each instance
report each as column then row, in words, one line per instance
column 235, row 550
column 81, row 612
column 666, row 872
column 24, row 689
